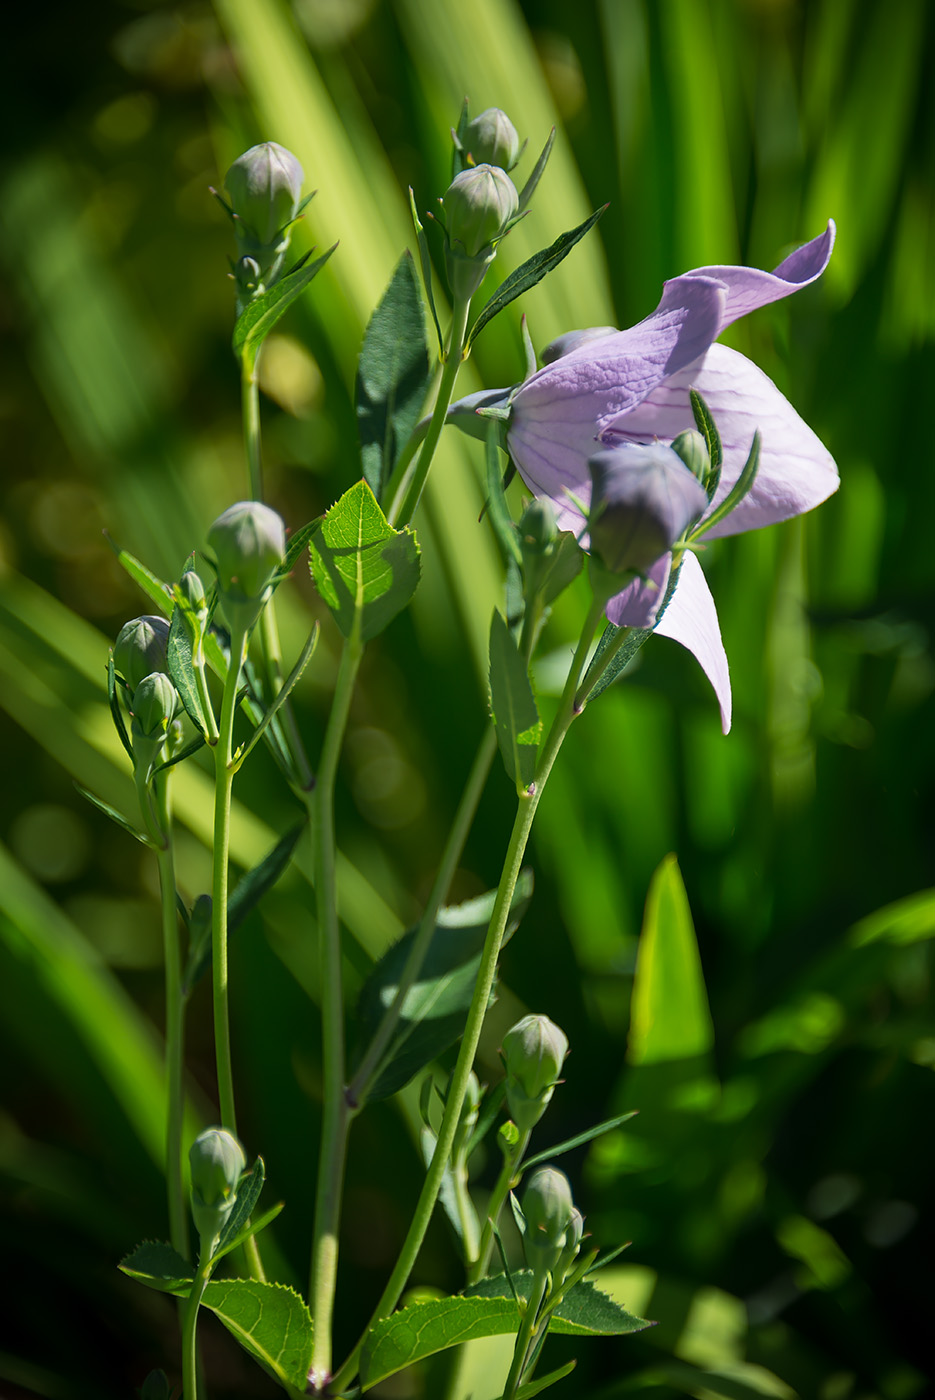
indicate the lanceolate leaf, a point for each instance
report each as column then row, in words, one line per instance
column 497, row 508
column 486, row 1309
column 531, row 272
column 513, row 707
column 631, row 644
column 181, row 667
column 298, row 543
column 115, row 710
column 425, row 263
column 270, row 1322
column 536, row 1387
column 362, row 567
column 114, row 815
column 433, row 1011
column 154, row 588
column 393, row 376
column 248, row 1193
column 257, row 320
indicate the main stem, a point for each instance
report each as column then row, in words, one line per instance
column 528, row 803
column 190, row 1331
column 172, row 958
column 223, row 785
column 524, row 1337
column 336, row 1113
column 406, row 501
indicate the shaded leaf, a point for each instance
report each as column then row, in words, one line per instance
column 531, row 272
column 114, row 815
column 433, row 1011
column 298, row 542
column 497, row 508
column 271, row 1323
column 181, row 667
column 512, row 705
column 393, row 376
column 578, row 1140
column 425, row 263
column 115, row 709
column 486, row 1309
column 157, row 1264
column 526, row 1392
column 248, row 1193
column 285, row 691
column 362, row 567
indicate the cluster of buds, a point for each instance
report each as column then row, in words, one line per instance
column 552, row 1223
column 264, row 186
column 140, row 658
column 481, row 204
column 217, row 1164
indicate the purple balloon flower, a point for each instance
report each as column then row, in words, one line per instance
column 633, row 386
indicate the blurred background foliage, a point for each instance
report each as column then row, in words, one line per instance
column 778, row 1185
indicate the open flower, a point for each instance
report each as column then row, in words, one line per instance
column 632, row 386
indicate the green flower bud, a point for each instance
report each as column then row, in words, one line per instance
column 534, row 1051
column 155, row 702
column 538, row 528
column 550, row 1219
column 140, row 648
column 693, row 450
column 491, row 139
column 479, row 203
column 249, row 542
column 217, row 1164
column 265, row 188
column 155, row 1387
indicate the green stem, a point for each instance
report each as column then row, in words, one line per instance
column 528, row 802
column 524, row 1337
column 223, row 784
column 175, row 1030
column 407, row 498
column 505, row 1183
column 336, row 1114
column 250, row 403
column 454, row 847
column 190, row 1329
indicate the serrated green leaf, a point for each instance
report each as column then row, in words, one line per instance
column 256, row 321
column 271, row 1323
column 531, row 272
column 157, row 1264
column 181, row 668
column 362, row 567
column 669, row 1014
column 114, row 815
column 486, row 1309
column 512, row 705
column 393, row 376
column 433, row 1011
column 497, row 508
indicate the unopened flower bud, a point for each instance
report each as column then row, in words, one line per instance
column 550, row 1219
column 573, row 340
column 217, row 1164
column 155, row 1387
column 193, row 591
column 265, row 187
column 643, row 499
column 690, row 446
column 479, row 203
column 155, row 702
column 249, row 543
column 538, row 527
column 534, row 1051
column 140, row 648
column 491, row 139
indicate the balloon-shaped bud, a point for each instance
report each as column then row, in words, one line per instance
column 155, row 1387
column 691, row 447
column 550, row 1219
column 643, row 499
column 155, row 702
column 534, row 1051
column 249, row 543
column 490, row 139
column 140, row 648
column 538, row 528
column 479, row 203
column 217, row 1164
column 265, row 188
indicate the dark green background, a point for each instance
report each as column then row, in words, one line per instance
column 720, row 131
